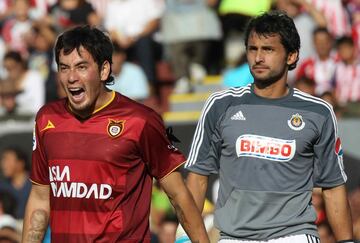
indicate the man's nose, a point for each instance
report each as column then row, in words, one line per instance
column 72, row 75
column 259, row 56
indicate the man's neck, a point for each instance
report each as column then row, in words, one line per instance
column 274, row 90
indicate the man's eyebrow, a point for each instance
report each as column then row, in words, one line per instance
column 76, row 64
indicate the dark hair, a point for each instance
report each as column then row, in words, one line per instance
column 345, row 40
column 16, row 56
column 276, row 22
column 96, row 42
column 321, row 30
column 20, row 155
column 118, row 48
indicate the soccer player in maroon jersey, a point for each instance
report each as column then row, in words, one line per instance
column 95, row 154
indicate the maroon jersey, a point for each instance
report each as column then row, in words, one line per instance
column 100, row 170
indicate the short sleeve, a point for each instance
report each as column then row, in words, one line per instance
column 39, row 167
column 328, row 156
column 160, row 156
column 206, row 145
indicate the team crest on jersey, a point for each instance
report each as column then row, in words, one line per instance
column 296, row 122
column 268, row 148
column 115, row 128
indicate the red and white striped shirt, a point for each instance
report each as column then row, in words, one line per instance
column 336, row 16
column 347, row 80
column 322, row 72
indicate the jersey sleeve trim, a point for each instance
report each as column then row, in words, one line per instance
column 173, row 170
column 37, row 183
column 199, row 131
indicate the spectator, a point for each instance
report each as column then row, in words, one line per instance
column 9, row 232
column 331, row 99
column 306, row 18
column 130, row 79
column 167, row 229
column 40, row 42
column 305, row 84
column 132, row 24
column 238, row 76
column 100, row 7
column 17, row 26
column 335, row 14
column 353, row 8
column 67, row 13
column 347, row 73
column 321, row 65
column 29, row 83
column 5, row 10
column 15, row 167
column 187, row 29
column 2, row 53
column 234, row 15
column 8, row 93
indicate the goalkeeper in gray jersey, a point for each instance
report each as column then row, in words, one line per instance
column 271, row 145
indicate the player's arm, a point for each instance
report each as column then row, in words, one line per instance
column 36, row 214
column 186, row 210
column 197, row 185
column 338, row 212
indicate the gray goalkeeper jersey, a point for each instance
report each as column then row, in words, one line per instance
column 269, row 154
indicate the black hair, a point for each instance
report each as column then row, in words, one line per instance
column 345, row 40
column 16, row 56
column 21, row 155
column 321, row 29
column 118, row 48
column 276, row 22
column 96, row 42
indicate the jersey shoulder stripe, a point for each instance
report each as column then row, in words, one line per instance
column 304, row 96
column 199, row 132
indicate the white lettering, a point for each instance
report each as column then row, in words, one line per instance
column 55, row 173
column 83, row 187
column 53, row 188
column 268, row 148
column 104, row 187
column 80, row 190
column 93, row 189
column 62, row 187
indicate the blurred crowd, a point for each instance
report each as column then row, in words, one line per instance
column 176, row 42
column 158, row 43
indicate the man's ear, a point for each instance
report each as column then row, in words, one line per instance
column 105, row 71
column 292, row 58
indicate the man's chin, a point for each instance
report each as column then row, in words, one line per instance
column 263, row 82
column 80, row 109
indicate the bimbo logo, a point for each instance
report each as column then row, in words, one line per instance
column 262, row 147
